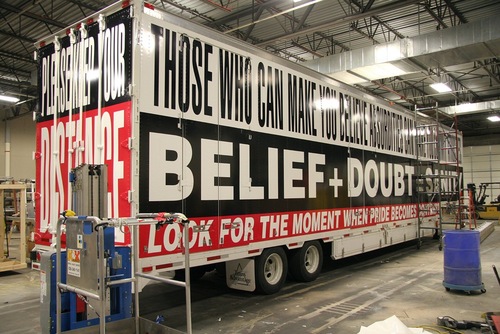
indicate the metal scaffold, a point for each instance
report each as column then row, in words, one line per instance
column 438, row 174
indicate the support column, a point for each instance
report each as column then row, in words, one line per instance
column 7, row 149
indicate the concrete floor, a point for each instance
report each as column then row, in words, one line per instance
column 359, row 291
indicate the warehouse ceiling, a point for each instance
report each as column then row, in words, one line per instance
column 394, row 49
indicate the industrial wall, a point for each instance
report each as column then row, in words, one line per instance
column 482, row 165
column 22, row 146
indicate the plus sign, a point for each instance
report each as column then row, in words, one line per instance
column 336, row 182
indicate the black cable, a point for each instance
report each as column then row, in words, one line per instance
column 104, row 225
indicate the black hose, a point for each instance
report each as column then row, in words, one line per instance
column 103, row 225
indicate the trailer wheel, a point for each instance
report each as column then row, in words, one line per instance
column 270, row 270
column 306, row 262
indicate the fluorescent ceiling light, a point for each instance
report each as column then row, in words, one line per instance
column 494, row 118
column 440, row 87
column 21, row 102
column 9, row 98
column 312, row 2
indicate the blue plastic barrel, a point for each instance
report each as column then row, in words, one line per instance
column 462, row 260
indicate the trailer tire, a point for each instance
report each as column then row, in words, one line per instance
column 271, row 268
column 306, row 263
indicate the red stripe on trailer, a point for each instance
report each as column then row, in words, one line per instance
column 347, row 235
column 150, row 6
column 147, row 269
column 212, row 258
column 293, row 244
column 253, row 251
column 163, row 266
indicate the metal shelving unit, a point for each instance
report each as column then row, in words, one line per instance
column 10, row 191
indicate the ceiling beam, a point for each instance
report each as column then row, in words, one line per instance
column 250, row 10
column 33, row 16
column 250, row 29
column 16, row 56
column 16, row 36
column 300, row 46
column 15, row 71
column 17, row 84
column 356, row 5
column 279, row 13
column 341, row 20
column 440, row 21
column 456, row 11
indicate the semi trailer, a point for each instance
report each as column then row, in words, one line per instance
column 277, row 166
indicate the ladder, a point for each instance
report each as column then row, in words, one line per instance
column 471, row 206
column 438, row 173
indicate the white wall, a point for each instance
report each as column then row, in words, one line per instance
column 482, row 164
column 22, row 146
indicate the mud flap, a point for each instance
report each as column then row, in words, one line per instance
column 240, row 274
